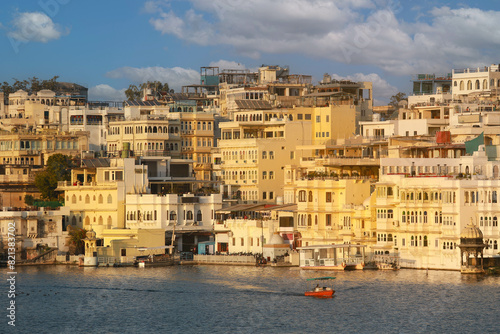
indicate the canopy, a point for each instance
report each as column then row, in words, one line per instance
column 320, row 278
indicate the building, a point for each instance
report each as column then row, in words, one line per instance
column 96, row 193
column 188, row 217
column 250, row 148
column 37, row 232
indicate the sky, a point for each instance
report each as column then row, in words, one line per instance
column 108, row 45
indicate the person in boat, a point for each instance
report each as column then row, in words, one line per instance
column 317, row 288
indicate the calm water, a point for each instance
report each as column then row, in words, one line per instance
column 222, row 299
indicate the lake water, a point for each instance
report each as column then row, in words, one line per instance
column 224, row 299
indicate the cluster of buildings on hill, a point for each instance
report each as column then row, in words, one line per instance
column 262, row 162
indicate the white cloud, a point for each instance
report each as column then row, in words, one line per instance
column 176, row 77
column 354, row 32
column 104, row 92
column 382, row 90
column 35, row 27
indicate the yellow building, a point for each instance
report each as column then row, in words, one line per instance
column 331, row 211
column 255, row 148
column 147, row 136
column 96, row 192
column 24, row 152
column 123, row 245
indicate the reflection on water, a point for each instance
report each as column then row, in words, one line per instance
column 224, row 299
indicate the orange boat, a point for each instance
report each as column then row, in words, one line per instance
column 321, row 292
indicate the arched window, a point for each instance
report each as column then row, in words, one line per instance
column 73, row 199
column 87, row 220
column 110, row 221
column 302, row 196
column 477, row 85
column 189, row 215
column 461, row 85
column 310, row 198
column 199, row 216
column 110, row 199
column 173, row 215
column 309, row 220
column 403, row 217
column 101, row 221
column 455, row 84
column 87, row 199
column 469, row 85
column 73, row 220
column 100, row 201
column 425, row 217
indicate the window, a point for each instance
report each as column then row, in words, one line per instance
column 328, row 197
column 264, row 175
column 242, row 241
column 302, row 196
column 271, row 195
column 271, row 154
column 264, row 195
column 271, row 175
column 318, row 119
column 110, row 199
column 307, row 117
column 189, row 215
column 100, row 201
column 328, row 220
column 264, row 154
column 310, row 197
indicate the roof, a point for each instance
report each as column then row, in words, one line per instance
column 331, row 246
column 253, row 104
column 97, row 162
column 143, row 103
column 321, row 278
column 262, row 207
column 239, row 207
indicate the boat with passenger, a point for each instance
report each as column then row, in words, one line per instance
column 323, row 291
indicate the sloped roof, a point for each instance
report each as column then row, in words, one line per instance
column 253, row 104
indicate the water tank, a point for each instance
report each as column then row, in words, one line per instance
column 443, row 137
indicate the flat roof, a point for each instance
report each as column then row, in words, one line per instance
column 331, row 246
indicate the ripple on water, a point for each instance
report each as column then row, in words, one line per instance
column 223, row 299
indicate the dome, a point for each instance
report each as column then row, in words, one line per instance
column 471, row 231
column 276, row 239
column 91, row 234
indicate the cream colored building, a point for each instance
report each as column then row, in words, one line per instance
column 424, row 204
column 148, row 136
column 121, row 246
column 35, row 231
column 96, row 192
column 475, row 83
column 255, row 149
column 332, row 211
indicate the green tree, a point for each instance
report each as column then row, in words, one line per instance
column 134, row 92
column 76, row 236
column 58, row 169
column 395, row 99
column 29, row 200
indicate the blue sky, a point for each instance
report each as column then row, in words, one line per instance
column 107, row 45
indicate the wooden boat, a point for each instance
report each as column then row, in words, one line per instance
column 320, row 292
